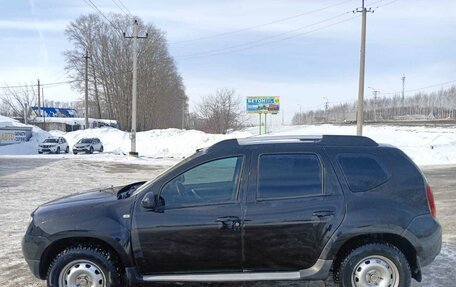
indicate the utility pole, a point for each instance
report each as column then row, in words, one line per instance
column 44, row 109
column 362, row 68
column 326, row 108
column 133, row 89
column 86, row 98
column 375, row 93
column 39, row 99
column 183, row 112
column 403, row 91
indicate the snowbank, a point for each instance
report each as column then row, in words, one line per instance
column 425, row 145
column 167, row 143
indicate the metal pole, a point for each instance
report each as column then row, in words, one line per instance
column 265, row 126
column 39, row 99
column 86, row 98
column 25, row 113
column 44, row 109
column 360, row 110
column 403, row 91
column 259, row 124
column 133, row 91
column 183, row 112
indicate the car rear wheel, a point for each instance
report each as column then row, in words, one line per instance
column 374, row 264
column 75, row 152
column 101, row 149
column 84, row 266
column 67, row 150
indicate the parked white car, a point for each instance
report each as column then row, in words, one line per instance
column 54, row 145
column 88, row 145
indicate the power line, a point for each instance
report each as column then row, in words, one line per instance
column 386, row 4
column 422, row 88
column 91, row 4
column 267, row 40
column 262, row 25
column 41, row 85
column 118, row 6
column 125, row 7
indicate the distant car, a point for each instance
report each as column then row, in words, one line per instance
column 88, row 145
column 54, row 145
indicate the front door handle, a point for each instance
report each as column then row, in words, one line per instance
column 323, row 213
column 229, row 222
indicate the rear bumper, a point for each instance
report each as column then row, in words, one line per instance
column 427, row 238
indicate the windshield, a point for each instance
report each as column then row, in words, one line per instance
column 51, row 141
column 179, row 164
column 86, row 141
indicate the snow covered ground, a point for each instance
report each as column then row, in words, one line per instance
column 425, row 145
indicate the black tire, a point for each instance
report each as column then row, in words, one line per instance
column 101, row 149
column 75, row 152
column 96, row 263
column 91, row 150
column 57, row 151
column 40, row 152
column 367, row 257
column 67, row 150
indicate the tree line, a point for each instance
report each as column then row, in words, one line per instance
column 439, row 104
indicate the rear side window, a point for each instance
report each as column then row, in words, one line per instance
column 289, row 175
column 362, row 171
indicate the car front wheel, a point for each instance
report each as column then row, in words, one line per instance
column 374, row 264
column 84, row 266
column 57, row 151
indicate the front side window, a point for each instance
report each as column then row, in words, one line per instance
column 289, row 175
column 209, row 183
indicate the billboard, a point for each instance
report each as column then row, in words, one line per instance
column 11, row 135
column 257, row 105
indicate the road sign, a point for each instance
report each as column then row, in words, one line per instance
column 263, row 105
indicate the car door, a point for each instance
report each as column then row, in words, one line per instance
column 294, row 206
column 199, row 229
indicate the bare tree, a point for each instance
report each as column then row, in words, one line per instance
column 160, row 87
column 15, row 100
column 221, row 112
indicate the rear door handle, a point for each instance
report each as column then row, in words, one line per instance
column 229, row 222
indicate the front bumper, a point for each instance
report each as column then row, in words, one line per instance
column 32, row 249
column 47, row 149
column 81, row 149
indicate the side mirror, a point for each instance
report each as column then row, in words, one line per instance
column 152, row 201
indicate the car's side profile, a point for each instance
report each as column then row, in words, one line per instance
column 88, row 145
column 279, row 208
column 54, row 145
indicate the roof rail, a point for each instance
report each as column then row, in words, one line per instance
column 328, row 140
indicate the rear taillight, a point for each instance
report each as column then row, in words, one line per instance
column 431, row 202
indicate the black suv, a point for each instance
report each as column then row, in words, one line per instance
column 265, row 208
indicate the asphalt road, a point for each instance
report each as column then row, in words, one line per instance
column 25, row 183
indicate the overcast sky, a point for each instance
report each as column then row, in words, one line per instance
column 312, row 55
